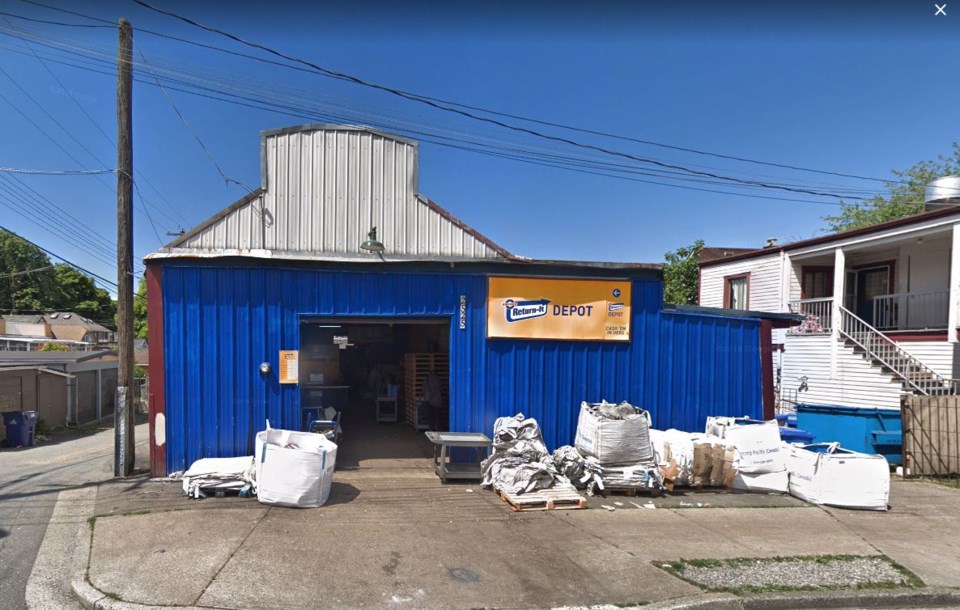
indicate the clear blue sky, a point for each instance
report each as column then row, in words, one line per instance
column 860, row 90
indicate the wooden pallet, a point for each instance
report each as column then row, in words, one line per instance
column 557, row 498
column 416, row 368
column 628, row 491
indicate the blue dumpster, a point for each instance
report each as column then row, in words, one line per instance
column 21, row 426
column 863, row 429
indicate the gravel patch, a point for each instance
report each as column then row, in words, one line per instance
column 793, row 573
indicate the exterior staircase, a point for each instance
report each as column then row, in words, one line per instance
column 878, row 348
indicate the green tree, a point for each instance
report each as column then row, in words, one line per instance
column 53, row 346
column 140, row 310
column 905, row 198
column 26, row 275
column 681, row 275
column 29, row 282
column 77, row 292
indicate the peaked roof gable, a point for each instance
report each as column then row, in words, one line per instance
column 323, row 188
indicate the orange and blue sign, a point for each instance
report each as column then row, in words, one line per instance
column 571, row 309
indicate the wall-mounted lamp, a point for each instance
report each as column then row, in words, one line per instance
column 264, row 368
column 372, row 244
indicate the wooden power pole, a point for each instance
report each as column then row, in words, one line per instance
column 124, row 408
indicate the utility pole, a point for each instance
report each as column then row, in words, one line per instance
column 124, row 408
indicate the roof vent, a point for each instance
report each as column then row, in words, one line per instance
column 771, row 242
column 54, row 315
column 942, row 192
column 66, row 316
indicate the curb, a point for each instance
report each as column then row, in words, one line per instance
column 926, row 597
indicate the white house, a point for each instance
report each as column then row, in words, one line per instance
column 881, row 309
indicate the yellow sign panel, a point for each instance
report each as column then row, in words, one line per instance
column 289, row 366
column 534, row 308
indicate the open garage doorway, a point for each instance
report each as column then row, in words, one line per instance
column 384, row 380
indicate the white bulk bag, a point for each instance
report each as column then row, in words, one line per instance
column 614, row 441
column 758, row 447
column 294, row 468
column 762, row 482
column 827, row 474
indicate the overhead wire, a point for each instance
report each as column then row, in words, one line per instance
column 845, row 193
column 476, row 117
column 325, row 72
column 300, row 112
column 143, row 201
column 60, row 258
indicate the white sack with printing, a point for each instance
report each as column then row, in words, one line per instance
column 758, row 446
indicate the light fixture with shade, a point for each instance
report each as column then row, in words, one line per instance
column 372, row 244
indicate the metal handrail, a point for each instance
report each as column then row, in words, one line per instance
column 885, row 351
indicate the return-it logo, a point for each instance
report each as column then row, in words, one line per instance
column 517, row 311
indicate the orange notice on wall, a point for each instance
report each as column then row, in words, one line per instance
column 535, row 308
column 289, row 366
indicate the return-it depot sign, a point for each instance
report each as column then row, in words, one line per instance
column 533, row 308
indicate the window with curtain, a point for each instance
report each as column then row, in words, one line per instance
column 738, row 293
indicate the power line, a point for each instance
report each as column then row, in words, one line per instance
column 93, row 121
column 27, row 272
column 451, row 109
column 226, row 179
column 433, row 101
column 300, row 112
column 416, row 132
column 58, row 257
column 57, row 172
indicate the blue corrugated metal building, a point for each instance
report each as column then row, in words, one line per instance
column 237, row 290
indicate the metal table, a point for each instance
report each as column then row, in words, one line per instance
column 444, row 440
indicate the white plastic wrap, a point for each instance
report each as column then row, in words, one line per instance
column 294, row 468
column 838, row 477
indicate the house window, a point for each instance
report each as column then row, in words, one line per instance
column 817, row 282
column 737, row 292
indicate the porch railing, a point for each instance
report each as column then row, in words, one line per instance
column 911, row 311
column 817, row 316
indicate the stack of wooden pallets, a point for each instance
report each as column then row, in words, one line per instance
column 416, row 368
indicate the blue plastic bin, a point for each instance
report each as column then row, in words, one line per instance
column 795, row 435
column 867, row 430
column 21, row 428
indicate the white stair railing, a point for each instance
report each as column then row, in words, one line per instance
column 901, row 363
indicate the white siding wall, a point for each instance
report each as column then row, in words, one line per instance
column 924, row 267
column 764, row 282
column 938, row 355
column 857, row 384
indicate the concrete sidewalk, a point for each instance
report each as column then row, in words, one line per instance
column 396, row 538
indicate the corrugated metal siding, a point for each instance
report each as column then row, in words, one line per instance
column 857, row 383
column 326, row 188
column 764, row 282
column 221, row 323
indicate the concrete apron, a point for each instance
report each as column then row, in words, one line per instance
column 409, row 542
column 392, row 537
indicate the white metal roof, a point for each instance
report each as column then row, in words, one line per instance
column 323, row 187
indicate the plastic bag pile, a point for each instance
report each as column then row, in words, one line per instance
column 519, row 462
